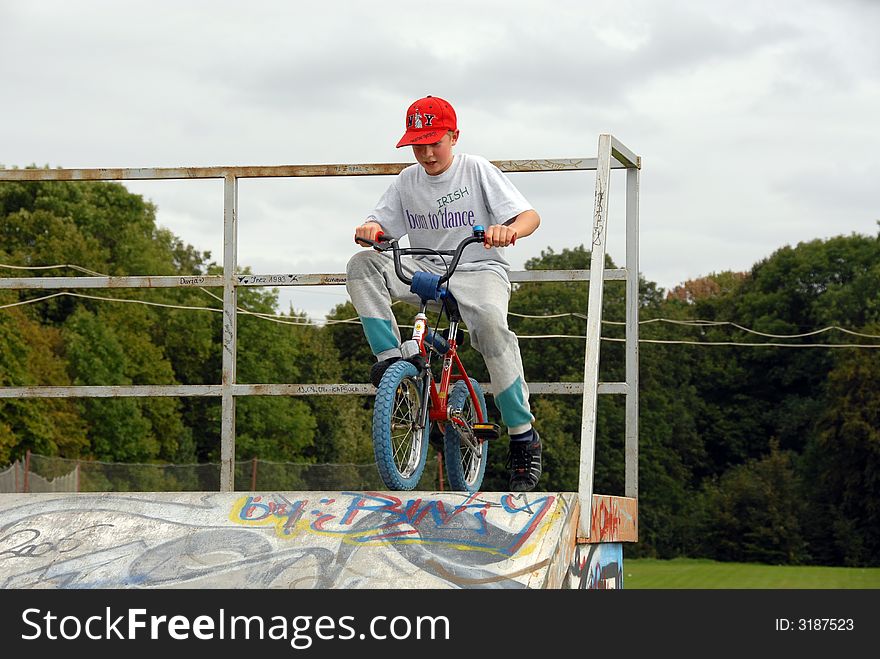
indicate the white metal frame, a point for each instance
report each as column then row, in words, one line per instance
column 611, row 155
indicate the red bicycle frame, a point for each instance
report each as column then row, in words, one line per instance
column 439, row 410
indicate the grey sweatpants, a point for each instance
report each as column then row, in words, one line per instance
column 482, row 300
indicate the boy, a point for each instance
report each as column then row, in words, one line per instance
column 437, row 202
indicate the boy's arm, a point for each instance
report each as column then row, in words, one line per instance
column 386, row 217
column 501, row 235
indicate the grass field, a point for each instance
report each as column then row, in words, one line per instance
column 698, row 573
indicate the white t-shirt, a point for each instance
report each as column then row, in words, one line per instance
column 439, row 211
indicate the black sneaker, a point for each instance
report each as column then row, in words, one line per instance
column 378, row 369
column 524, row 463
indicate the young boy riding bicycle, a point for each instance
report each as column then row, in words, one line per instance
column 437, row 202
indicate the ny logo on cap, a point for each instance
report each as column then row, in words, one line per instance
column 416, row 120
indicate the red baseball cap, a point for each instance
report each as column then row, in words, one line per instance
column 427, row 121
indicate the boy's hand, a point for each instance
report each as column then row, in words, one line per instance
column 368, row 230
column 499, row 235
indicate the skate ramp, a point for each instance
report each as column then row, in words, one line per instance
column 309, row 540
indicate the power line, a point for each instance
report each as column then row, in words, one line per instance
column 707, row 323
column 355, row 321
column 285, row 320
column 53, row 267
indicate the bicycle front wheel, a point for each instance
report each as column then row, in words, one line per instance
column 400, row 436
column 465, row 455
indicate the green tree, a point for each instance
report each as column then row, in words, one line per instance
column 842, row 464
column 799, row 289
column 754, row 512
column 270, row 427
column 29, row 357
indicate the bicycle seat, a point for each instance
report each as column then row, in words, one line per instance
column 427, row 286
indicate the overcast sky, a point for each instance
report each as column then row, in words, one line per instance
column 757, row 122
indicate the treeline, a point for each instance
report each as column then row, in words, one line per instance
column 82, row 339
column 747, row 452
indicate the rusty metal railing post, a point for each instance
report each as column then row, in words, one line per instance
column 230, row 332
column 594, row 328
column 631, row 441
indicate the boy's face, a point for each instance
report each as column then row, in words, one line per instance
column 436, row 158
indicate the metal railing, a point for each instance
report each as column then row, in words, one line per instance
column 611, row 155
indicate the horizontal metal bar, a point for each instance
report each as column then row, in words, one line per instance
column 557, row 165
column 340, row 278
column 303, row 279
column 618, row 274
column 624, row 156
column 129, row 391
column 564, row 388
column 158, row 173
column 274, row 171
column 561, row 388
column 215, row 390
column 302, row 389
column 166, row 281
column 618, row 388
column 307, row 279
column 368, row 389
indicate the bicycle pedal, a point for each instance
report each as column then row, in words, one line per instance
column 486, row 430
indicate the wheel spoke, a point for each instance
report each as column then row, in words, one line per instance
column 470, row 450
column 406, row 439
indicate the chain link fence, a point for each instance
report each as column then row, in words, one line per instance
column 40, row 473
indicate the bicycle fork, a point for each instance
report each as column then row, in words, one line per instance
column 465, row 431
column 415, row 347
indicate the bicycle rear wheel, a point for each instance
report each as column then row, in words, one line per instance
column 400, row 437
column 465, row 456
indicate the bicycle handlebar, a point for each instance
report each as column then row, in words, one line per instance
column 383, row 243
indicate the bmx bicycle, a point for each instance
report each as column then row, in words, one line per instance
column 409, row 400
